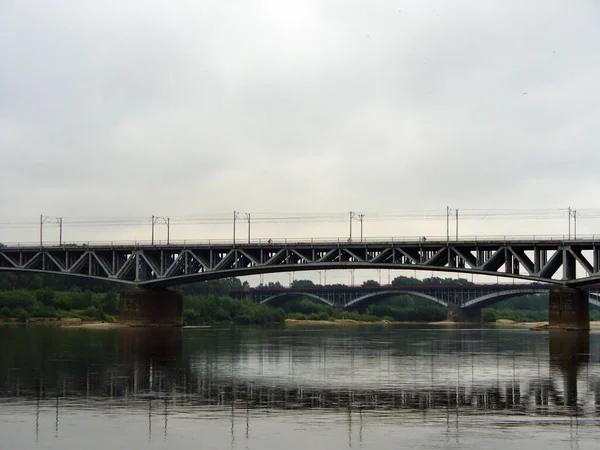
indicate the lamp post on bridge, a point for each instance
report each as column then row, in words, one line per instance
column 43, row 220
column 166, row 221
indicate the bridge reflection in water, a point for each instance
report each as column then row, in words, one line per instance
column 150, row 365
column 175, row 371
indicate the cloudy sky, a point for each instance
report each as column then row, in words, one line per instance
column 114, row 110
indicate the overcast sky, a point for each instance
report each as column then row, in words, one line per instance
column 188, row 108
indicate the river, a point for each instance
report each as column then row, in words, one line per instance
column 301, row 387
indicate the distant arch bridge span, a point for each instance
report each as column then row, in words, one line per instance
column 572, row 263
column 468, row 296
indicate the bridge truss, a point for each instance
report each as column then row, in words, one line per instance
column 574, row 263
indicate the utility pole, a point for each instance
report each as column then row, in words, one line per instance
column 360, row 217
column 166, row 221
column 43, row 220
column 42, row 224
column 456, row 224
column 235, row 215
column 248, row 218
column 448, row 209
column 351, row 214
column 569, row 222
column 152, row 240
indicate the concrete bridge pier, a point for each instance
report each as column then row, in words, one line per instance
column 337, row 308
column 569, row 309
column 151, row 307
column 458, row 314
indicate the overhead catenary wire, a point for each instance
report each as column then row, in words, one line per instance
column 314, row 217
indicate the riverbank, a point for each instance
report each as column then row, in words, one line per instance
column 70, row 322
column 500, row 322
column 339, row 322
column 78, row 323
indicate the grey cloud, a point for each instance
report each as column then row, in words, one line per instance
column 118, row 109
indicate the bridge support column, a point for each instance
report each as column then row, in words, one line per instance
column 458, row 314
column 151, row 307
column 569, row 309
column 337, row 308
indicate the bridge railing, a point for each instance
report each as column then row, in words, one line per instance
column 304, row 241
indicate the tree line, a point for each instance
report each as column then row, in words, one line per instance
column 24, row 296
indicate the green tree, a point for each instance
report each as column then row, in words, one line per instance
column 45, row 296
column 110, row 303
column 489, row 315
column 405, row 281
column 301, row 284
column 63, row 303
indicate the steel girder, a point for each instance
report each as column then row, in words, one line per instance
column 572, row 263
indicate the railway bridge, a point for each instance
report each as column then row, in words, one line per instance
column 150, row 269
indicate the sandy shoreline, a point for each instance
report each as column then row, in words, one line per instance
column 78, row 323
column 501, row 322
column 65, row 323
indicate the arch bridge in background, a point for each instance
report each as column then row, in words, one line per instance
column 466, row 296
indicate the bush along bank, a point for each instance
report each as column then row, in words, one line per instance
column 207, row 309
column 22, row 305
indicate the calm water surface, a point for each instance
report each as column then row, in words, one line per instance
column 298, row 388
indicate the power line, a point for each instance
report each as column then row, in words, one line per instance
column 318, row 218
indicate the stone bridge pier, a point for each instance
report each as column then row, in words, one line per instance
column 151, row 307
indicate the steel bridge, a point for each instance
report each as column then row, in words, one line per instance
column 468, row 296
column 571, row 263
